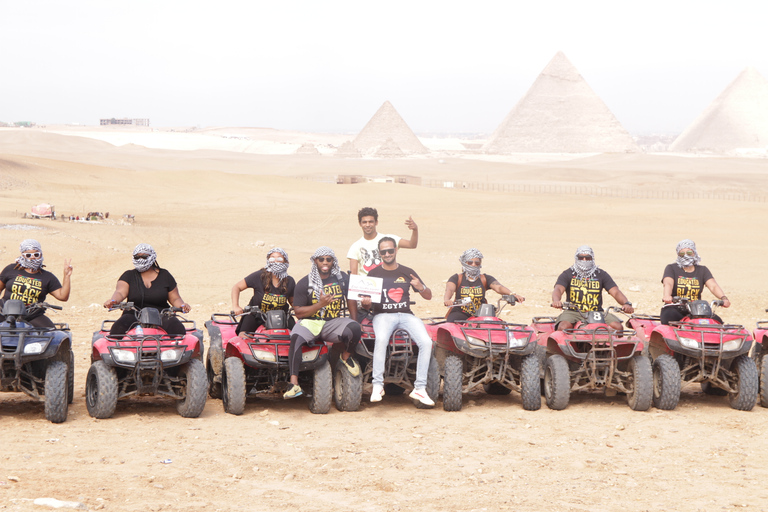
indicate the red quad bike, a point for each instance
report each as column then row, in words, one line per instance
column 593, row 356
column 400, row 365
column 486, row 351
column 146, row 361
column 257, row 365
column 700, row 349
column 37, row 361
column 758, row 355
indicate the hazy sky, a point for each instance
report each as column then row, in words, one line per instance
column 328, row 65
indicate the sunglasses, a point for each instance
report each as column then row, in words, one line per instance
column 474, row 263
column 686, row 253
column 29, row 255
column 324, row 259
column 141, row 256
column 386, row 251
column 585, row 258
column 276, row 260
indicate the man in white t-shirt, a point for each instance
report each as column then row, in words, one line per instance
column 364, row 253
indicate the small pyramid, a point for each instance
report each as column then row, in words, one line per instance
column 307, row 149
column 348, row 150
column 385, row 124
column 560, row 113
column 737, row 118
column 389, row 149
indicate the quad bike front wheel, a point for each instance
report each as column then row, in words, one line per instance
column 530, row 385
column 56, row 391
column 763, row 381
column 347, row 390
column 101, row 390
column 641, row 395
column 452, row 383
column 196, row 390
column 666, row 382
column 71, row 377
column 322, row 389
column 557, row 382
column 746, row 384
column 233, row 386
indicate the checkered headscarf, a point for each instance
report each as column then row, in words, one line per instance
column 471, row 272
column 280, row 270
column 144, row 264
column 584, row 269
column 315, row 282
column 29, row 245
column 687, row 261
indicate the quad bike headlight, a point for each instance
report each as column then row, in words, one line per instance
column 515, row 342
column 123, row 356
column 33, row 348
column 476, row 341
column 689, row 343
column 264, row 355
column 173, row 354
column 733, row 344
column 309, row 355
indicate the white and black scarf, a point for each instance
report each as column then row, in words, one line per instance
column 584, row 269
column 471, row 272
column 276, row 268
column 30, row 245
column 144, row 264
column 687, row 261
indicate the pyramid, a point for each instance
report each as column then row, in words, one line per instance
column 560, row 113
column 307, row 149
column 737, row 118
column 348, row 150
column 389, row 149
column 386, row 124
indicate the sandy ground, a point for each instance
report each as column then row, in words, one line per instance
column 211, row 216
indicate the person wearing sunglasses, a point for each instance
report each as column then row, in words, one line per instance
column 364, row 255
column 272, row 288
column 26, row 280
column 471, row 283
column 319, row 303
column 147, row 286
column 394, row 312
column 583, row 283
column 686, row 278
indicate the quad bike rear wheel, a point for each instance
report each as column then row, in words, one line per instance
column 347, row 390
column 453, row 370
column 764, row 381
column 71, row 377
column 557, row 382
column 101, row 390
column 193, row 403
column 233, row 386
column 530, row 385
column 640, row 396
column 322, row 389
column 666, row 382
column 56, row 391
column 214, row 361
column 746, row 384
column 433, row 383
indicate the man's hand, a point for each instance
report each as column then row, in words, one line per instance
column 237, row 310
column 325, row 299
column 557, row 304
column 667, row 299
column 365, row 301
column 518, row 298
column 411, row 224
column 628, row 309
column 416, row 284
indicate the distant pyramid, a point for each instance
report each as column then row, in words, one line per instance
column 389, row 149
column 307, row 149
column 737, row 118
column 348, row 150
column 386, row 124
column 560, row 113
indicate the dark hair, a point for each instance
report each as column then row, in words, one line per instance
column 367, row 212
column 387, row 239
column 266, row 282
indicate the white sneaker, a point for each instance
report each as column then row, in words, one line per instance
column 421, row 395
column 377, row 393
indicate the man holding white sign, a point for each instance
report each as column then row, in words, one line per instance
column 394, row 312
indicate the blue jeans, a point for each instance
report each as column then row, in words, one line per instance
column 384, row 324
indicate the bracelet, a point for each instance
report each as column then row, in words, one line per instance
column 724, row 297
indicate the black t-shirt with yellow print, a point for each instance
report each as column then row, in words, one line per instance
column 26, row 287
column 475, row 290
column 586, row 294
column 688, row 285
column 331, row 285
column 272, row 299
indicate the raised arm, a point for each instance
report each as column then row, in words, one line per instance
column 62, row 293
column 414, row 241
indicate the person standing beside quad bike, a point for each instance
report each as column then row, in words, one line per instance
column 471, row 284
column 147, row 286
column 27, row 281
column 686, row 278
column 364, row 254
column 272, row 288
column 394, row 312
column 319, row 303
column 584, row 283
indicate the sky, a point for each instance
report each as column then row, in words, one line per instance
column 448, row 67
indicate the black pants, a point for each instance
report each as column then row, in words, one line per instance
column 171, row 324
column 38, row 321
column 457, row 315
column 337, row 330
column 675, row 314
column 250, row 322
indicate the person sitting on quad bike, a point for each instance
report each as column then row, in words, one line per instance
column 147, row 286
column 319, row 303
column 272, row 288
column 394, row 312
column 471, row 284
column 584, row 283
column 27, row 281
column 685, row 278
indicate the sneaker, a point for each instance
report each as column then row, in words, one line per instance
column 294, row 392
column 377, row 393
column 351, row 364
column 421, row 395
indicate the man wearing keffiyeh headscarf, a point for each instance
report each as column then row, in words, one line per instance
column 26, row 280
column 319, row 303
column 471, row 284
column 686, row 279
column 584, row 283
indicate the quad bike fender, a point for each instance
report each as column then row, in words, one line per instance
column 642, row 327
column 55, row 345
column 556, row 344
column 664, row 340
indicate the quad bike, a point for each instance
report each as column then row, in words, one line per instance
column 759, row 351
column 146, row 361
column 256, row 364
column 400, row 365
column 699, row 348
column 37, row 361
column 593, row 356
column 486, row 351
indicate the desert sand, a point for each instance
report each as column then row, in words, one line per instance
column 212, row 214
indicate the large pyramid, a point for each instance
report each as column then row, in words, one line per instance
column 386, row 124
column 560, row 113
column 737, row 118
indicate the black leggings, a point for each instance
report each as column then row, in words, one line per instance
column 38, row 321
column 338, row 330
column 171, row 324
column 674, row 314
